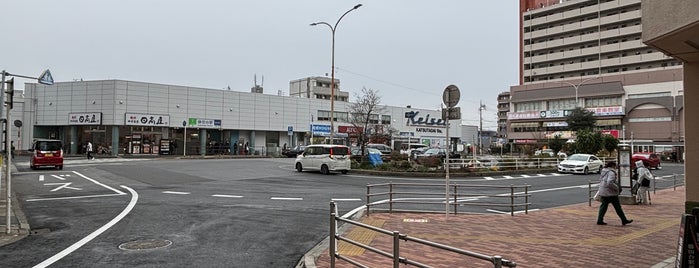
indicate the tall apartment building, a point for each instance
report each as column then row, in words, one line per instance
column 589, row 54
column 317, row 87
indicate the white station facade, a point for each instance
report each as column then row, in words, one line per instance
column 129, row 117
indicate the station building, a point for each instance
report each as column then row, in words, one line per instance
column 130, row 117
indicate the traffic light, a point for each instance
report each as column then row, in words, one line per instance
column 10, row 90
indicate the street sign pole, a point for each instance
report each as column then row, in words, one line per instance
column 45, row 79
column 450, row 97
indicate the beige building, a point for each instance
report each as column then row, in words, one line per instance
column 672, row 26
column 589, row 54
column 316, row 87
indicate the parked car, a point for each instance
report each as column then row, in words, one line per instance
column 417, row 152
column 385, row 149
column 324, row 157
column 410, row 147
column 356, row 154
column 650, row 160
column 46, row 152
column 437, row 152
column 293, row 152
column 581, row 163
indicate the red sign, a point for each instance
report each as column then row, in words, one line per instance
column 349, row 129
column 613, row 132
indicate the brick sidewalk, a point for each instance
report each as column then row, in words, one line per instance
column 559, row 237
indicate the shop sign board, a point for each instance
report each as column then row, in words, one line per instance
column 155, row 120
column 204, row 123
column 320, row 130
column 85, row 118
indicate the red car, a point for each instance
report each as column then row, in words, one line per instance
column 46, row 152
column 650, row 160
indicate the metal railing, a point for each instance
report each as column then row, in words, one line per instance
column 395, row 255
column 429, row 195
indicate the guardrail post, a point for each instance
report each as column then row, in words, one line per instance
column 368, row 197
column 456, row 198
column 390, row 197
column 526, row 199
column 497, row 261
column 589, row 193
column 396, row 249
column 512, row 200
column 333, row 233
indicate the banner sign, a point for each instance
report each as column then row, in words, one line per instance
column 204, row 123
column 523, row 115
column 155, row 120
column 85, row 119
column 602, row 111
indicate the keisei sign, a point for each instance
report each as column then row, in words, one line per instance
column 414, row 119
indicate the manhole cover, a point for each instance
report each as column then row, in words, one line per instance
column 145, row 244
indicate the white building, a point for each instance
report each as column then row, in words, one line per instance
column 129, row 117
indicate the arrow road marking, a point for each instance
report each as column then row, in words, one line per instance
column 65, row 185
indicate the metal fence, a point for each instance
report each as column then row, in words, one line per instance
column 395, row 254
column 424, row 197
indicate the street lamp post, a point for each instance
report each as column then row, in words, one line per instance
column 577, row 103
column 332, row 71
column 45, row 79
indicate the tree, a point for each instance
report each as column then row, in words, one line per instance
column 588, row 142
column 610, row 143
column 361, row 113
column 581, row 119
column 557, row 143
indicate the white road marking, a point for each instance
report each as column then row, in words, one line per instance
column 346, row 199
column 508, row 177
column 489, row 178
column 225, row 195
column 72, row 197
column 41, row 177
column 85, row 240
column 525, row 176
column 99, row 183
column 64, row 185
column 171, row 192
column 507, row 212
column 287, row 198
column 58, row 177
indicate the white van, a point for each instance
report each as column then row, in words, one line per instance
column 324, row 157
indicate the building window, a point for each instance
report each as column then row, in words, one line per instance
column 528, row 106
column 649, row 95
column 386, row 119
column 557, row 105
column 373, row 119
column 603, row 101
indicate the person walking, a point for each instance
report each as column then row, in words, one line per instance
column 609, row 190
column 644, row 177
column 89, row 151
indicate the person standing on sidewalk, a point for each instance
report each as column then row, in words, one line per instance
column 644, row 177
column 89, row 151
column 609, row 190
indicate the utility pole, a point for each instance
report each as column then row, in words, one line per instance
column 480, row 128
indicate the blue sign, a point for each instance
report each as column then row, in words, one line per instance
column 290, row 130
column 320, row 130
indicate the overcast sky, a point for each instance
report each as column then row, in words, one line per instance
column 407, row 50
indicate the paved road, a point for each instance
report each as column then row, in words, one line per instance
column 220, row 212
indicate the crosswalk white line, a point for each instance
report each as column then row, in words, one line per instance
column 229, row 196
column 287, row 198
column 171, row 192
